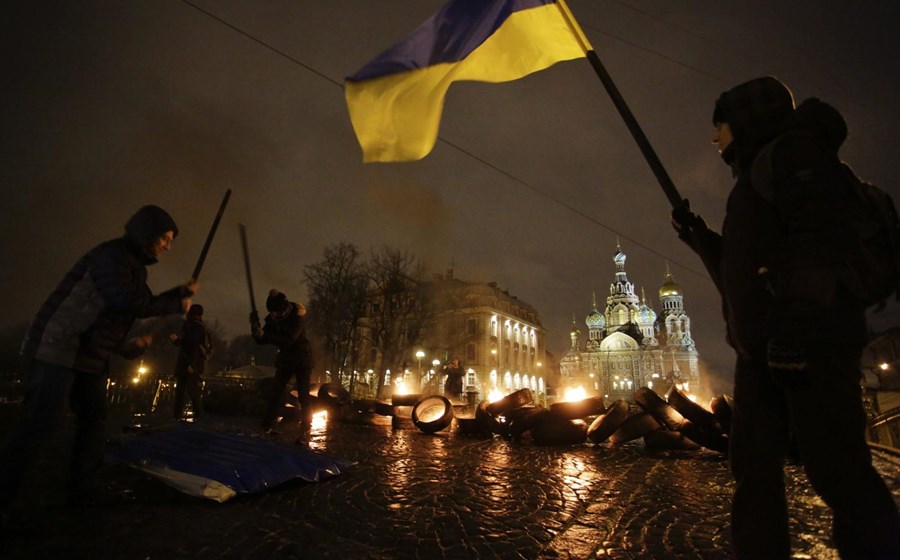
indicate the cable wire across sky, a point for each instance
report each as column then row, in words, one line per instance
column 475, row 157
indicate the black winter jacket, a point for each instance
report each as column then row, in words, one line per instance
column 289, row 335
column 89, row 314
column 195, row 346
column 777, row 259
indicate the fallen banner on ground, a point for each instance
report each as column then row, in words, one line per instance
column 218, row 465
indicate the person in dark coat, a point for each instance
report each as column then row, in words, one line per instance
column 792, row 319
column 195, row 348
column 71, row 339
column 285, row 327
column 453, row 386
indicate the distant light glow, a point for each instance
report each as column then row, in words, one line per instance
column 884, row 366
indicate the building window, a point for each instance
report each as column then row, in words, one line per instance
column 472, row 326
column 471, row 354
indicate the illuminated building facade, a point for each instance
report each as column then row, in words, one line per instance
column 630, row 346
column 497, row 337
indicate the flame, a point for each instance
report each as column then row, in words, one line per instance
column 495, row 395
column 319, row 419
column 574, row 393
column 400, row 388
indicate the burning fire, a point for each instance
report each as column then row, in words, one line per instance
column 495, row 395
column 574, row 393
column 400, row 388
column 319, row 419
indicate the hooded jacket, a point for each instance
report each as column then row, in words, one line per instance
column 289, row 335
column 195, row 346
column 777, row 257
column 87, row 317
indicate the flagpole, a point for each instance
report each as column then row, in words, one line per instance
column 668, row 187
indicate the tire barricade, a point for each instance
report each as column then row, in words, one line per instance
column 672, row 422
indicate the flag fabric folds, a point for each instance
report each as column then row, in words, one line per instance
column 395, row 101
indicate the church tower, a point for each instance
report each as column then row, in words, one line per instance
column 622, row 305
column 630, row 345
column 596, row 323
column 675, row 321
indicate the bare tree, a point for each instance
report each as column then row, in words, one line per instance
column 399, row 307
column 337, row 300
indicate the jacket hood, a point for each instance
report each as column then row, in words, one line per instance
column 755, row 111
column 146, row 225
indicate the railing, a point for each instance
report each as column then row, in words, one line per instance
column 884, row 429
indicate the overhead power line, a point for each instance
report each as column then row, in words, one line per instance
column 484, row 162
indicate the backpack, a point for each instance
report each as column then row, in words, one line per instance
column 871, row 248
column 874, row 262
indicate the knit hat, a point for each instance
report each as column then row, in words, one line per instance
column 276, row 301
column 196, row 310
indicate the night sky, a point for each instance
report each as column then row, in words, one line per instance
column 112, row 105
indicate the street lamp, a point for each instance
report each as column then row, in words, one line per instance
column 435, row 364
column 419, row 355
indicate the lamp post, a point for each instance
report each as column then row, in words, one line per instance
column 419, row 355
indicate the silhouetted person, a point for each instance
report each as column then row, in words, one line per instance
column 69, row 343
column 195, row 348
column 797, row 330
column 285, row 327
column 453, row 386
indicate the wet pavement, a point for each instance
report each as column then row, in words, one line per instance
column 413, row 495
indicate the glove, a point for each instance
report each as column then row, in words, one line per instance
column 686, row 222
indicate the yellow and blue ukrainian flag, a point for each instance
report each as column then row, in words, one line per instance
column 395, row 101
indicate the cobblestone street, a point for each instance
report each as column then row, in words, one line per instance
column 412, row 495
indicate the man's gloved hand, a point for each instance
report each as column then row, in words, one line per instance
column 684, row 221
column 255, row 328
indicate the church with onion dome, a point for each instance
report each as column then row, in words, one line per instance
column 630, row 345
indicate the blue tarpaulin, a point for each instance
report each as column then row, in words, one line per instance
column 219, row 465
